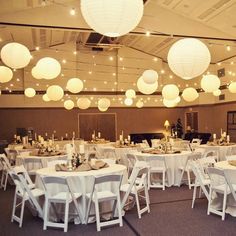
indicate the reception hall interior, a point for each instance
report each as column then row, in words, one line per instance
column 117, row 117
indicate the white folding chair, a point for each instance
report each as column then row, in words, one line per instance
column 97, row 196
column 131, row 158
column 146, row 144
column 134, row 188
column 24, row 193
column 230, row 176
column 32, row 164
column 66, row 196
column 212, row 154
column 109, row 152
column 220, row 186
column 6, row 167
column 11, row 155
column 201, row 180
column 53, row 163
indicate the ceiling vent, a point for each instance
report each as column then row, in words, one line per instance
column 221, row 72
column 222, row 97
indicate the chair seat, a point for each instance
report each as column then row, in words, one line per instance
column 103, row 195
column 158, row 169
column 221, row 188
column 187, row 168
column 35, row 192
column 125, row 187
column 63, row 195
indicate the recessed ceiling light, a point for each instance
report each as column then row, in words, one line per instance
column 72, row 11
column 64, row 61
column 90, row 72
column 74, row 52
column 17, row 79
column 121, row 58
column 113, row 74
column 155, row 59
column 11, row 85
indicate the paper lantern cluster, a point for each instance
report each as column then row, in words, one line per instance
column 46, row 98
column 46, row 68
column 112, row 18
column 139, row 104
column 232, row 87
column 55, row 92
column 83, row 103
column 170, row 92
column 188, row 58
column 150, row 76
column 210, row 83
column 103, row 104
column 15, row 55
column 128, row 101
column 75, row 85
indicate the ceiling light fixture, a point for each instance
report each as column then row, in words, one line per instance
column 72, row 11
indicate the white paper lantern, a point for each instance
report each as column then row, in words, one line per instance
column 83, row 103
column 210, row 83
column 169, row 103
column 15, row 55
column 69, row 104
column 177, row 100
column 102, row 109
column 55, row 92
column 217, row 93
column 48, row 68
column 36, row 73
column 170, row 91
column 146, row 88
column 139, row 104
column 188, row 58
column 112, row 18
column 6, row 74
column 75, row 85
column 130, row 93
column 190, row 94
column 232, row 87
column 46, row 98
column 30, row 92
column 104, row 103
column 150, row 76
column 128, row 101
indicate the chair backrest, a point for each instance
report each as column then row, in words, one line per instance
column 157, row 161
column 212, row 153
column 131, row 159
column 5, row 162
column 53, row 163
column 196, row 141
column 21, row 170
column 230, row 176
column 217, row 176
column 22, row 186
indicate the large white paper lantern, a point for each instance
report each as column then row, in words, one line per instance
column 55, row 92
column 188, row 58
column 130, row 93
column 102, row 109
column 170, row 91
column 217, row 93
column 75, row 85
column 210, row 83
column 139, row 104
column 232, row 87
column 69, row 104
column 150, row 76
column 146, row 88
column 128, row 101
column 6, row 74
column 15, row 55
column 104, row 103
column 83, row 103
column 190, row 94
column 36, row 73
column 46, row 98
column 48, row 68
column 112, row 18
column 169, row 103
column 30, row 92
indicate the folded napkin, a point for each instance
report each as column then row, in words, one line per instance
column 61, row 167
column 98, row 164
column 232, row 162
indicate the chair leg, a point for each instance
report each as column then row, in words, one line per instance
column 189, row 180
column 224, row 206
column 114, row 208
column 14, row 206
column 45, row 220
column 118, row 206
column 137, row 204
column 147, row 198
column 97, row 215
column 5, row 184
column 209, row 202
column 22, row 212
column 163, row 180
column 66, row 216
column 194, row 195
column 88, row 211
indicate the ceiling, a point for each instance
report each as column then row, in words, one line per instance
column 114, row 65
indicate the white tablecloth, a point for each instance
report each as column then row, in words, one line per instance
column 82, row 182
column 44, row 160
column 173, row 162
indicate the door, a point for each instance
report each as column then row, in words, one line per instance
column 191, row 121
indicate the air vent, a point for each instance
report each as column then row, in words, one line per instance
column 221, row 72
column 221, row 97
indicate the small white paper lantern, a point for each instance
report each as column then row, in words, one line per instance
column 55, row 92
column 30, row 92
column 188, row 58
column 217, row 93
column 104, row 103
column 130, row 93
column 112, row 18
column 139, row 104
column 210, row 83
column 75, row 85
column 6, row 74
column 102, row 109
column 69, row 104
column 170, row 92
column 169, row 103
column 46, row 98
column 48, row 68
column 15, row 55
column 232, row 87
column 36, row 73
column 190, row 94
column 150, row 76
column 146, row 88
column 83, row 103
column 128, row 101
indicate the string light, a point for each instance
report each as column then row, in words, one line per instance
column 37, row 48
column 147, row 33
column 228, row 48
column 72, row 11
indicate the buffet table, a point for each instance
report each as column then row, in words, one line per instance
column 82, row 182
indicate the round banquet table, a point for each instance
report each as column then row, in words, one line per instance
column 173, row 162
column 221, row 150
column 217, row 202
column 82, row 182
column 44, row 160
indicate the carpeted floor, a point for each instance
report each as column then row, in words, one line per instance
column 171, row 214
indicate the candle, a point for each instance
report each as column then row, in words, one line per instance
column 35, row 136
column 66, row 135
column 228, row 138
column 129, row 138
column 46, row 134
column 69, row 151
column 99, row 135
column 221, row 132
column 81, row 149
column 214, row 136
column 15, row 136
column 224, row 134
column 121, row 137
column 93, row 136
column 73, row 134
